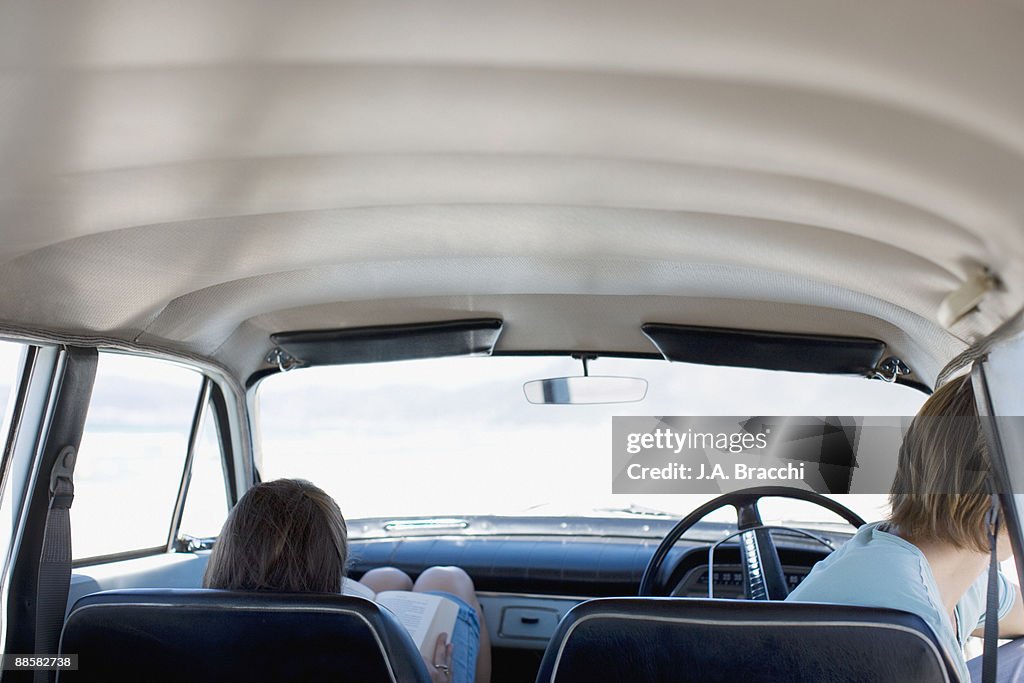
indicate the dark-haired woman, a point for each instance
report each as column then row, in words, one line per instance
column 289, row 536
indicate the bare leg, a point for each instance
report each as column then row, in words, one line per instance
column 457, row 582
column 386, row 579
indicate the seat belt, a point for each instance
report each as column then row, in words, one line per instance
column 989, row 655
column 54, row 579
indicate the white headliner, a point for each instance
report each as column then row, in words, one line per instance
column 195, row 175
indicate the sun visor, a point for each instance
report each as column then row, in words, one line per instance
column 767, row 350
column 474, row 337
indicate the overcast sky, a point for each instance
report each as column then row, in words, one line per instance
column 457, row 435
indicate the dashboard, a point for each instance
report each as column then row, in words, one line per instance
column 526, row 582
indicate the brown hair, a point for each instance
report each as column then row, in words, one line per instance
column 941, row 491
column 284, row 535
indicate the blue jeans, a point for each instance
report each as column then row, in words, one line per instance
column 1011, row 663
column 465, row 639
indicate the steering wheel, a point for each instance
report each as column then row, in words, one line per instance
column 763, row 577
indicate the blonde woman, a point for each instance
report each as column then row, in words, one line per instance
column 930, row 557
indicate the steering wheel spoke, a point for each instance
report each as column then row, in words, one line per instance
column 763, row 578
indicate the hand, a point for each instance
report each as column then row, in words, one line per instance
column 441, row 667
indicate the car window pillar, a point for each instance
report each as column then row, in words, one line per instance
column 54, row 418
column 997, row 377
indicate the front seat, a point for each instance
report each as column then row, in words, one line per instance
column 154, row 635
column 673, row 640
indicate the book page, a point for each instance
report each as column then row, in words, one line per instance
column 424, row 616
column 359, row 590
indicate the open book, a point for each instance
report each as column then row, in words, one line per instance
column 425, row 616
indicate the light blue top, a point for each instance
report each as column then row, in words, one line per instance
column 879, row 569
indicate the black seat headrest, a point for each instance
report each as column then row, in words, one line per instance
column 210, row 635
column 671, row 640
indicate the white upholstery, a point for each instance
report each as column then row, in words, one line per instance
column 195, row 175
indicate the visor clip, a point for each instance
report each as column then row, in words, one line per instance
column 890, row 369
column 282, row 359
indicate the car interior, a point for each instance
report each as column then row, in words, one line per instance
column 390, row 247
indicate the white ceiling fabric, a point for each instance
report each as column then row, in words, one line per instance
column 196, row 175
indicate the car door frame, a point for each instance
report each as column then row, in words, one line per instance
column 996, row 378
column 51, row 404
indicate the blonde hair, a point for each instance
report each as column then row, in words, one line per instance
column 941, row 491
column 285, row 535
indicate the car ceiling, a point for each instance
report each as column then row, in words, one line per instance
column 193, row 176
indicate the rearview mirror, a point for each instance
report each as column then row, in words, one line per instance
column 586, row 389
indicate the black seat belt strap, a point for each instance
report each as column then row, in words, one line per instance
column 990, row 659
column 55, row 560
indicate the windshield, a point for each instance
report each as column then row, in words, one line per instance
column 456, row 436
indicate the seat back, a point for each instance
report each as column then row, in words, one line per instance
column 156, row 635
column 671, row 640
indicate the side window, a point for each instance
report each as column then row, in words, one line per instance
column 10, row 361
column 206, row 504
column 132, row 454
column 10, row 357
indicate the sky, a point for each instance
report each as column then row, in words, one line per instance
column 457, row 436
